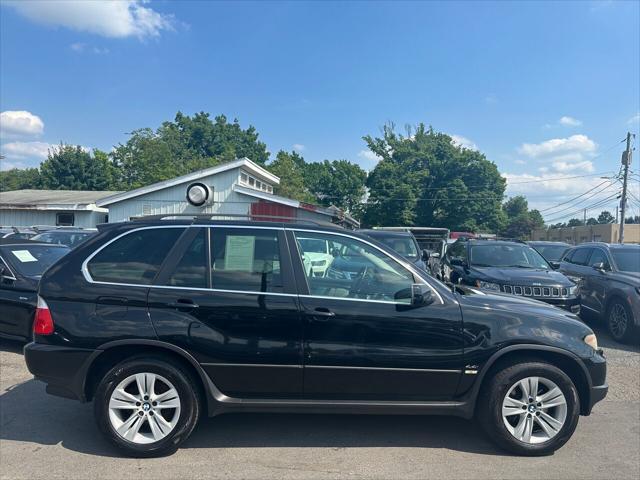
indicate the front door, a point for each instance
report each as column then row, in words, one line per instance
column 227, row 297
column 363, row 339
column 596, row 281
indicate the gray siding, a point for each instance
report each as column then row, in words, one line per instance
column 173, row 200
column 27, row 218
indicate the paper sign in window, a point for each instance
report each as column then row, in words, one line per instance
column 24, row 256
column 238, row 253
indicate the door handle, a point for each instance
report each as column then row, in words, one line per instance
column 183, row 304
column 322, row 314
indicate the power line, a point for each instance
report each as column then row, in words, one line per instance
column 597, row 204
column 581, row 201
column 574, row 198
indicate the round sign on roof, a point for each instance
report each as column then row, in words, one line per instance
column 199, row 194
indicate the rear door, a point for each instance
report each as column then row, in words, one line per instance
column 227, row 297
column 363, row 339
column 17, row 303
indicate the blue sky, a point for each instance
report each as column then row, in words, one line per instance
column 544, row 89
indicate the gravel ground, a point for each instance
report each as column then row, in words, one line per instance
column 48, row 437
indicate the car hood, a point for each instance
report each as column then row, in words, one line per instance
column 631, row 278
column 515, row 304
column 522, row 276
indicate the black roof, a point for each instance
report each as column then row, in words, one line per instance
column 545, row 242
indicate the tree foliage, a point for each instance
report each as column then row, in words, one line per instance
column 290, row 168
column 339, row 183
column 18, row 179
column 519, row 219
column 70, row 167
column 423, row 178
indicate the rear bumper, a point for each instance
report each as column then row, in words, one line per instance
column 63, row 369
column 597, row 368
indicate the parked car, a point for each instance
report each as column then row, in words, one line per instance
column 17, row 233
column 609, row 276
column 551, row 251
column 21, row 264
column 317, row 255
column 509, row 267
column 65, row 236
column 435, row 264
column 160, row 321
column 403, row 243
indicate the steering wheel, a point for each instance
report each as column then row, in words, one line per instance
column 364, row 280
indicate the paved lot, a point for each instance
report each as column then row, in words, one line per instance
column 47, row 437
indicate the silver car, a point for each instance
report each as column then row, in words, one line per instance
column 609, row 279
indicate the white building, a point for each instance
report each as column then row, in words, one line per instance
column 241, row 188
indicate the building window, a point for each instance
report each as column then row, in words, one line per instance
column 243, row 178
column 252, row 182
column 269, row 189
column 246, row 179
column 65, row 219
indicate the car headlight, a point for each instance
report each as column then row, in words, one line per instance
column 591, row 340
column 573, row 290
column 575, row 280
column 488, row 286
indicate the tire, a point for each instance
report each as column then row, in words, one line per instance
column 620, row 321
column 507, row 382
column 163, row 424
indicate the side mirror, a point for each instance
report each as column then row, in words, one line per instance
column 599, row 267
column 421, row 295
column 555, row 265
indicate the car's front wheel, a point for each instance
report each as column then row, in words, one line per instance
column 529, row 408
column 146, row 406
column 620, row 321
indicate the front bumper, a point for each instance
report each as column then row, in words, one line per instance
column 63, row 369
column 598, row 388
column 571, row 304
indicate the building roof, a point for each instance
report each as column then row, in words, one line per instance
column 244, row 163
column 331, row 211
column 52, row 199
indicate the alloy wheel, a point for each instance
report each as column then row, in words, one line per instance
column 534, row 410
column 144, row 408
column 618, row 321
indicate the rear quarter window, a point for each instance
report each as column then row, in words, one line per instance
column 134, row 258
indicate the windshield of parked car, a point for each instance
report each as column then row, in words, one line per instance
column 32, row 260
column 627, row 259
column 500, row 255
column 71, row 239
column 553, row 253
column 405, row 246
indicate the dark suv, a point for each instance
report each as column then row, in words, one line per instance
column 609, row 278
column 160, row 321
column 509, row 267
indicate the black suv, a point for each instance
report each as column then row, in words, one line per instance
column 509, row 267
column 160, row 321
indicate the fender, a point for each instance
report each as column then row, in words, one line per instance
column 211, row 391
column 525, row 347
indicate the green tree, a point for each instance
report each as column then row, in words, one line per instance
column 19, row 179
column 424, row 179
column 287, row 167
column 606, row 217
column 70, row 167
column 183, row 146
column 520, row 220
column 592, row 221
column 575, row 222
column 339, row 182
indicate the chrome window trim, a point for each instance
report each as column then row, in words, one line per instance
column 13, row 275
column 406, row 265
column 336, row 367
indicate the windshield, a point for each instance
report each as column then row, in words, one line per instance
column 553, row 253
column 70, row 239
column 405, row 246
column 627, row 260
column 517, row 256
column 32, row 260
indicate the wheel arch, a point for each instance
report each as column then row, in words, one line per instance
column 114, row 352
column 568, row 362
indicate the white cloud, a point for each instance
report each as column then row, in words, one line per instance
column 80, row 47
column 555, row 146
column 569, row 121
column 20, row 123
column 564, row 167
column 23, row 154
column 634, row 119
column 463, row 142
column 298, row 147
column 116, row 19
column 369, row 155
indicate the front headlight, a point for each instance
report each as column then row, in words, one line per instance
column 575, row 280
column 591, row 340
column 488, row 286
column 573, row 290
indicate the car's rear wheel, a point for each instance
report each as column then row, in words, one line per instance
column 529, row 408
column 146, row 406
column 620, row 321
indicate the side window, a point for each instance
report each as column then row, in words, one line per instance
column 351, row 269
column 580, row 256
column 246, row 260
column 458, row 251
column 598, row 256
column 134, row 258
column 567, row 256
column 191, row 270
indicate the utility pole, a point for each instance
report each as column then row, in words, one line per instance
column 626, row 161
column 584, row 216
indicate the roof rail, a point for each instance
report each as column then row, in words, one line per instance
column 251, row 217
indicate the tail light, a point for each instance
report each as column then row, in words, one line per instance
column 43, row 322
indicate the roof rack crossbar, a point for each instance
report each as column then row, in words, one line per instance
column 212, row 216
